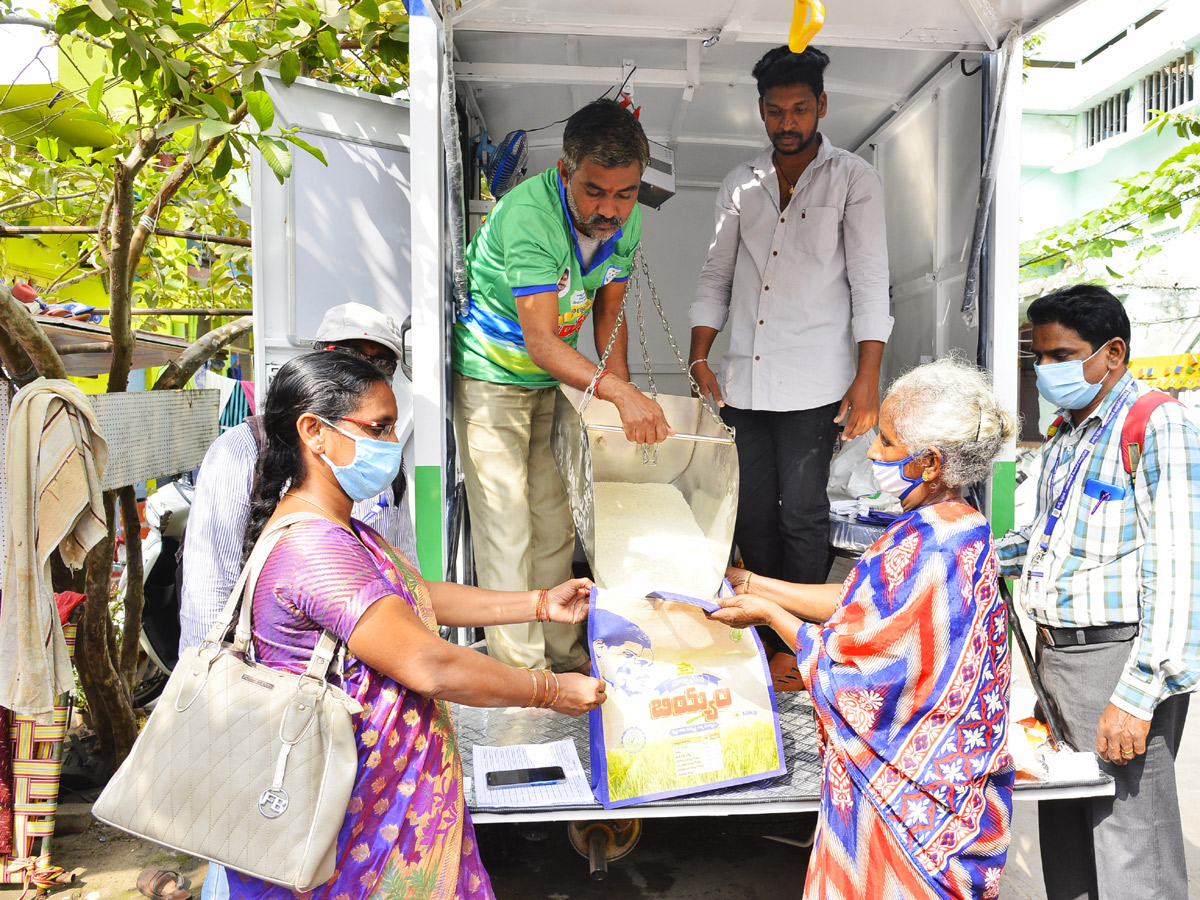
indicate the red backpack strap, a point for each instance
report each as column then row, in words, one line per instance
column 1133, row 432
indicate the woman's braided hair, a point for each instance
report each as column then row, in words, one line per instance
column 327, row 384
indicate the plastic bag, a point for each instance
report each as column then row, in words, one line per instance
column 690, row 705
column 850, row 473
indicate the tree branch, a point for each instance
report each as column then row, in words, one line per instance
column 91, row 273
column 40, row 199
column 48, row 27
column 20, row 326
column 28, row 20
column 181, row 173
column 104, row 232
column 177, row 372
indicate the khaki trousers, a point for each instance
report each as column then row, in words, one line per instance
column 520, row 522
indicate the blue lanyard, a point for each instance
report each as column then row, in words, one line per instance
column 1061, row 502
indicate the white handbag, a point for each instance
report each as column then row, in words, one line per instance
column 248, row 766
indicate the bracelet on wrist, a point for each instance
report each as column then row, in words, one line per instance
column 541, row 610
column 600, row 378
column 533, row 696
column 694, row 362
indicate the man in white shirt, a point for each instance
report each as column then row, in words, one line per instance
column 798, row 269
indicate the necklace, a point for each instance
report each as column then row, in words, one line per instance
column 791, row 184
column 327, row 513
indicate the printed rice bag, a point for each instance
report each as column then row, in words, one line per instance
column 690, row 706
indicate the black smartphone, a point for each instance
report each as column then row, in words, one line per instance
column 524, row 777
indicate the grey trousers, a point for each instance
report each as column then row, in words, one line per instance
column 1130, row 844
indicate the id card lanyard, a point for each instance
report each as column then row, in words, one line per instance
column 1059, row 504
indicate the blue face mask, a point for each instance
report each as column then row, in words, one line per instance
column 375, row 465
column 891, row 478
column 1064, row 384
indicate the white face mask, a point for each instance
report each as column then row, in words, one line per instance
column 891, row 478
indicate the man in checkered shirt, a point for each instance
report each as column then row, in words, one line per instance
column 1110, row 572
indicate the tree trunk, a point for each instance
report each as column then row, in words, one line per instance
column 134, row 598
column 177, row 372
column 121, row 282
column 108, row 698
column 20, row 326
column 16, row 361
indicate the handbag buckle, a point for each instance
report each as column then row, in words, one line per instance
column 273, row 802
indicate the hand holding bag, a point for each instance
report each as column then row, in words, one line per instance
column 248, row 766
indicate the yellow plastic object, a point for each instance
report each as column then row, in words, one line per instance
column 807, row 20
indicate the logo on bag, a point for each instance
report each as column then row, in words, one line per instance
column 259, row 682
column 273, row 802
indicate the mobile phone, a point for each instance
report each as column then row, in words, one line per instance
column 524, row 777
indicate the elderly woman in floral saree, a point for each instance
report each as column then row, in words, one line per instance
column 407, row 834
column 909, row 670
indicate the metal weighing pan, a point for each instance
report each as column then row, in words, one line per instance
column 700, row 459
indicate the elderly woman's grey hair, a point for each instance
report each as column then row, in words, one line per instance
column 949, row 404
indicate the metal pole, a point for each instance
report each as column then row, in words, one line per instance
column 1056, row 732
column 202, row 312
column 22, row 230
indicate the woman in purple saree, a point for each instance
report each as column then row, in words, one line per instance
column 407, row 833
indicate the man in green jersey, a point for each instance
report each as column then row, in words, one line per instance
column 556, row 248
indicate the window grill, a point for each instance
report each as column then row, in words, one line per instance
column 1107, row 119
column 1170, row 87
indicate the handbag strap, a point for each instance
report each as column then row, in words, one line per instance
column 242, row 596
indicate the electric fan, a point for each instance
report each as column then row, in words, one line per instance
column 504, row 165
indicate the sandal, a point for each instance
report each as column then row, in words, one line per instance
column 785, row 674
column 163, row 884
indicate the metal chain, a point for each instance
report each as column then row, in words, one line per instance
column 637, row 294
column 640, row 261
column 612, row 339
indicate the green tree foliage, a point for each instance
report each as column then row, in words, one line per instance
column 1141, row 202
column 169, row 99
column 157, row 110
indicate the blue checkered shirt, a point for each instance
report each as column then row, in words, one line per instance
column 1125, row 559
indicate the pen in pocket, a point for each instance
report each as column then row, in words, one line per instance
column 1104, row 495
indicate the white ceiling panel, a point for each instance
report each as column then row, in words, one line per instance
column 942, row 24
column 530, row 63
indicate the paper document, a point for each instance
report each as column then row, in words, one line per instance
column 575, row 790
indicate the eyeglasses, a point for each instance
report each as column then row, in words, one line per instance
column 378, row 430
column 385, row 364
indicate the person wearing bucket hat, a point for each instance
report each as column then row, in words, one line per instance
column 359, row 330
column 221, row 509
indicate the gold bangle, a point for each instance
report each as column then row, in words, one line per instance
column 557, row 689
column 541, row 610
column 532, row 696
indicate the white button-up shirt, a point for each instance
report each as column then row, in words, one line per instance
column 802, row 286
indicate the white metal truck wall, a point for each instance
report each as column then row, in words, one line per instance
column 336, row 233
column 929, row 160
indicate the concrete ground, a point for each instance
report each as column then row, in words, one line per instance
column 1023, row 872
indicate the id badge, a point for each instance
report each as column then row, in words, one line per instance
column 1035, row 590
